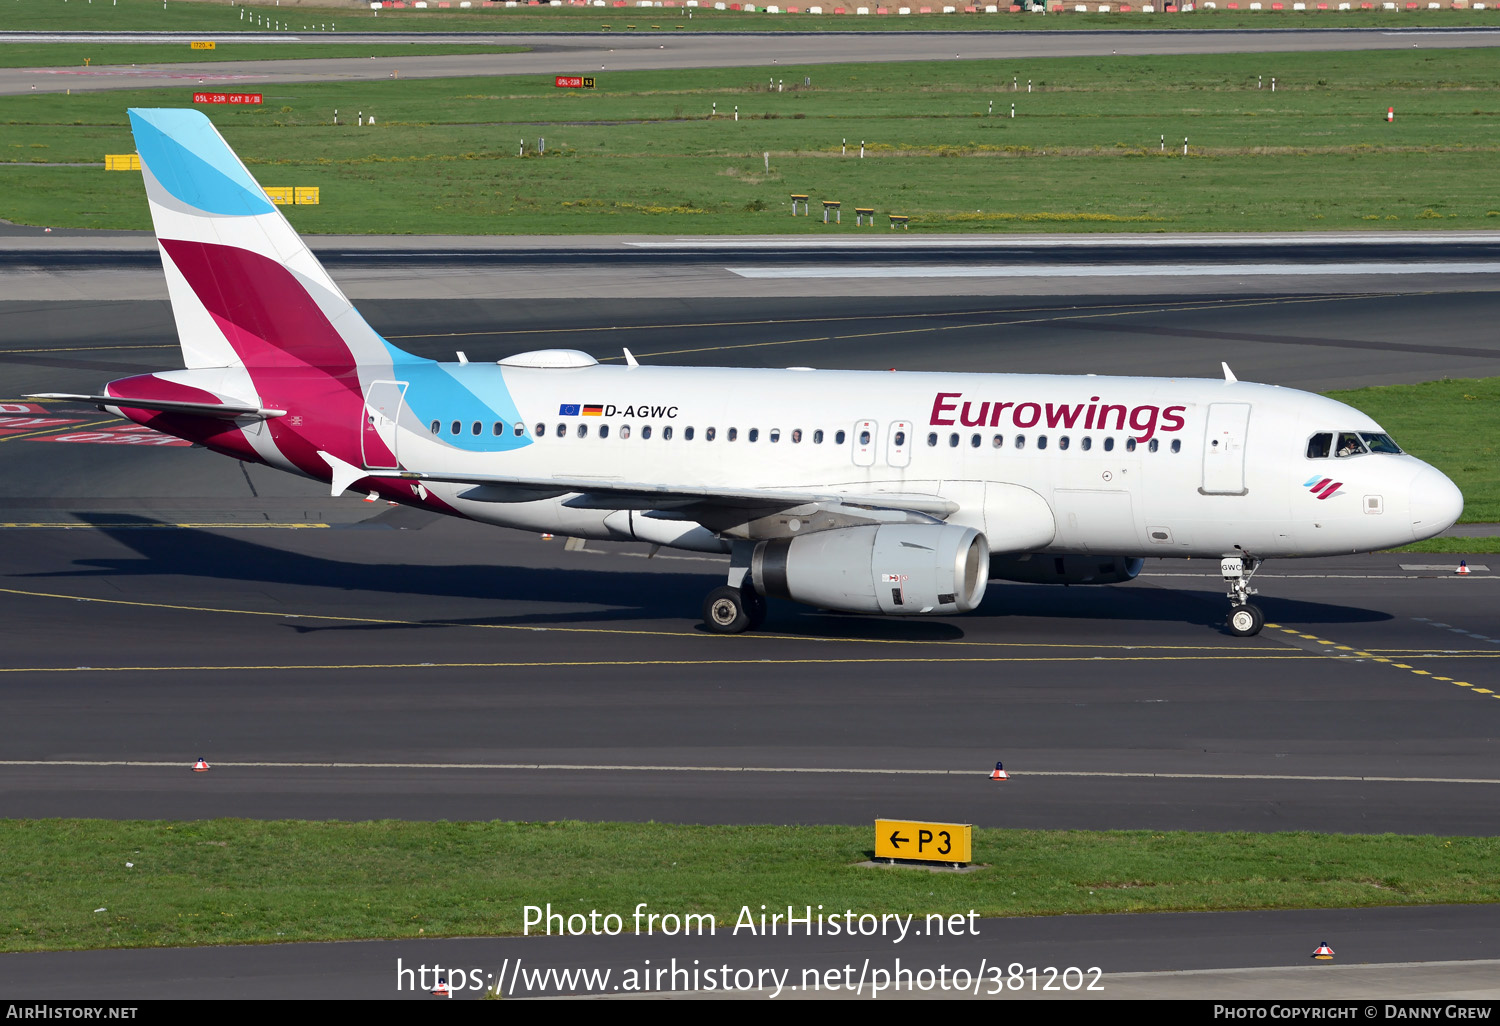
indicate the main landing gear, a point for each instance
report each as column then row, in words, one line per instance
column 1245, row 619
column 734, row 610
column 736, row 607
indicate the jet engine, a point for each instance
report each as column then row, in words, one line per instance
column 1041, row 568
column 896, row 569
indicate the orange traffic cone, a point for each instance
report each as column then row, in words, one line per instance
column 441, row 990
column 1324, row 951
column 1463, row 567
column 546, row 536
column 999, row 773
column 371, row 497
column 200, row 766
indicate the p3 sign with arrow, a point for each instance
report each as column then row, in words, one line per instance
column 924, row 842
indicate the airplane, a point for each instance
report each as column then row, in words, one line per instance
column 896, row 493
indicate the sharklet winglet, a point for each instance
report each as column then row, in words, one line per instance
column 344, row 474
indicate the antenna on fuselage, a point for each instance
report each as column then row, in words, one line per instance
column 1228, row 374
column 630, row 360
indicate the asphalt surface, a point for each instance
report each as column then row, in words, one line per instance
column 346, row 671
column 583, row 54
column 394, row 665
column 1447, row 952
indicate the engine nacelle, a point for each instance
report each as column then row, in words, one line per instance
column 1041, row 568
column 897, row 569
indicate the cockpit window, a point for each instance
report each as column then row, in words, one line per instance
column 1380, row 443
column 1319, row 445
column 1349, row 445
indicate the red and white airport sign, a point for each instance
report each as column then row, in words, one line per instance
column 574, row 81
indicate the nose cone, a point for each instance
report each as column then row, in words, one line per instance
column 1436, row 503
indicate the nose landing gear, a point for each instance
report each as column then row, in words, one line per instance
column 1245, row 619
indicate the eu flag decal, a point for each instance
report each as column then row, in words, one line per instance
column 568, row 410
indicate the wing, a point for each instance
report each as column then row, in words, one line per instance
column 717, row 508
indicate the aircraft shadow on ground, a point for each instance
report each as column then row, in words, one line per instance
column 163, row 551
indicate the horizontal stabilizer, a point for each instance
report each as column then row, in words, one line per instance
column 226, row 411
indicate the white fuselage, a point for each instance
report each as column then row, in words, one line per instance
column 1128, row 466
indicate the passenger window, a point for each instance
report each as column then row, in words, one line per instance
column 900, row 438
column 455, row 427
column 838, row 437
column 687, row 434
column 732, row 434
column 520, row 429
column 1020, row 441
column 932, row 438
column 541, row 430
column 476, row 428
column 583, row 430
column 1041, row 441
column 997, row 441
column 796, row 435
column 1062, row 442
column 1176, row 445
column 1153, row 445
column 624, row 430
column 775, row 435
column 1349, row 445
column 975, row 441
column 666, row 433
column 1109, row 444
column 864, row 438
column 1319, row 445
column 753, row 435
column 603, row 430
column 953, row 440
column 818, row 437
column 645, row 430
column 436, row 427
column 1086, row 443
column 709, row 434
column 499, row 428
column 1130, row 445
column 562, row 431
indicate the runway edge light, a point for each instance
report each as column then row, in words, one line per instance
column 1324, row 951
column 999, row 772
column 200, row 766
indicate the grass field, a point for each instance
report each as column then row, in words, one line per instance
column 66, row 55
column 642, row 152
column 184, row 15
column 67, row 885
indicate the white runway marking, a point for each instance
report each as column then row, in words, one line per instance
column 1134, row 241
column 1112, row 270
column 853, row 770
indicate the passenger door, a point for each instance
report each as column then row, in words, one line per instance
column 1224, row 449
column 377, row 429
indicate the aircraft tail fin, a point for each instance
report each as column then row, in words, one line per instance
column 245, row 289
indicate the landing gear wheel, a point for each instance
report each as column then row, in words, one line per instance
column 726, row 611
column 1246, row 621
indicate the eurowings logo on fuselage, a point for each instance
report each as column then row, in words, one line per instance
column 1323, row 487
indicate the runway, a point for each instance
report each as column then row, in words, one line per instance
column 560, row 53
